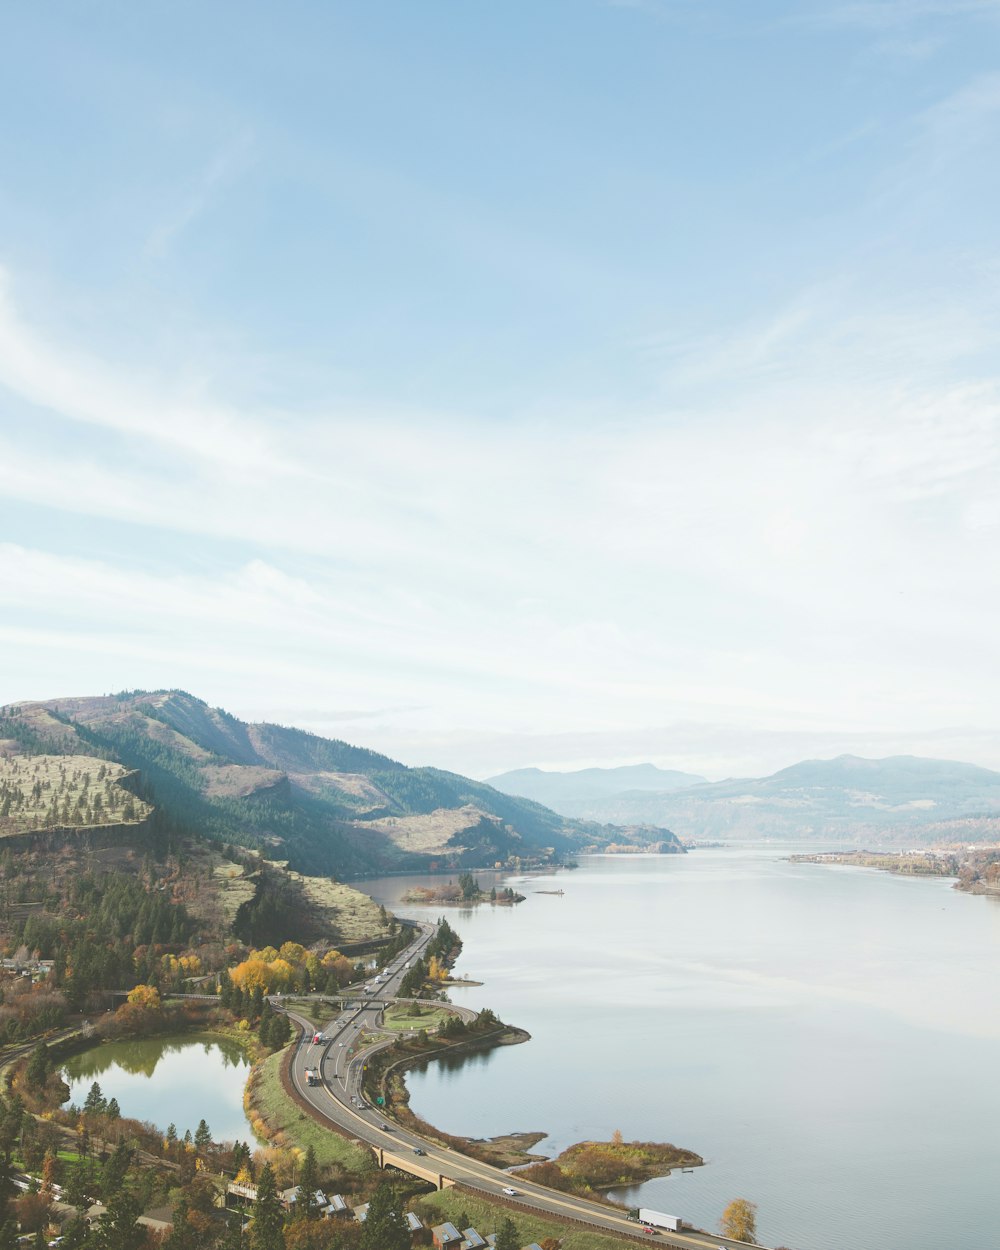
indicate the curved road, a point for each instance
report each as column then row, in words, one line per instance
column 338, row 1098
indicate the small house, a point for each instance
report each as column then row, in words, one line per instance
column 446, row 1237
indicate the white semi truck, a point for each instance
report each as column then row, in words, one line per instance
column 657, row 1219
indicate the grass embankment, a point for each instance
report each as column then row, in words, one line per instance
column 589, row 1167
column 277, row 1119
column 486, row 1217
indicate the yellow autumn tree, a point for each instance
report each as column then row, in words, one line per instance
column 280, row 975
column 292, row 952
column 739, row 1221
column 145, row 996
column 251, row 974
column 269, row 975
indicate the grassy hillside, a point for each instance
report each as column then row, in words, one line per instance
column 75, row 791
column 325, row 806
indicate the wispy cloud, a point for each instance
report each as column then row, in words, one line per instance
column 81, row 388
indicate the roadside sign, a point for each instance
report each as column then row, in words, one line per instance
column 380, row 1101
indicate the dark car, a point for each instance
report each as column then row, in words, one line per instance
column 418, row 1151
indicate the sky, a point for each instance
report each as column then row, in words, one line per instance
column 548, row 382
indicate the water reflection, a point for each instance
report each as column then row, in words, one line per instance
column 140, row 1057
column 178, row 1081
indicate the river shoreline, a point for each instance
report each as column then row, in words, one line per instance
column 973, row 870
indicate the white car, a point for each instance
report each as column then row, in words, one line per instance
column 511, row 1193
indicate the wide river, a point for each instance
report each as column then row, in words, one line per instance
column 828, row 1039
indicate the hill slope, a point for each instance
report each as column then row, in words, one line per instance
column 902, row 798
column 324, row 805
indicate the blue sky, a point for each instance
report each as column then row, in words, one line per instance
column 500, row 384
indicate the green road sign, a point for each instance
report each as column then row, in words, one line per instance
column 380, row 1101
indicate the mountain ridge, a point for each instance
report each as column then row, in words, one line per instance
column 848, row 796
column 325, row 805
column 549, row 786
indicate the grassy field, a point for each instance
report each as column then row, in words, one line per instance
column 486, row 1218
column 45, row 791
column 283, row 1116
column 403, row 1018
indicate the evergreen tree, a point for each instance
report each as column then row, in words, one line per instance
column 77, row 1189
column 113, row 1172
column 308, row 1184
column 117, row 1228
column 95, row 1101
column 74, row 1234
column 179, row 1237
column 281, row 1032
column 507, row 1238
column 266, row 1231
column 114, row 1111
column 384, row 1227
column 7, row 1188
column 264, row 1031
column 39, row 1066
column 11, row 1123
column 202, row 1136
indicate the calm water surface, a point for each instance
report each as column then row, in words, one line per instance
column 169, row 1081
column 827, row 1038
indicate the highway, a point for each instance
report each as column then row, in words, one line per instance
column 338, row 1098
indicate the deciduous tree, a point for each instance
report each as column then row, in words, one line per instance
column 739, row 1221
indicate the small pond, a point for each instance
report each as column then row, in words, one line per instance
column 169, row 1080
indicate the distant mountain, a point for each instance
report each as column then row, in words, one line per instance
column 326, row 806
column 900, row 798
column 568, row 792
